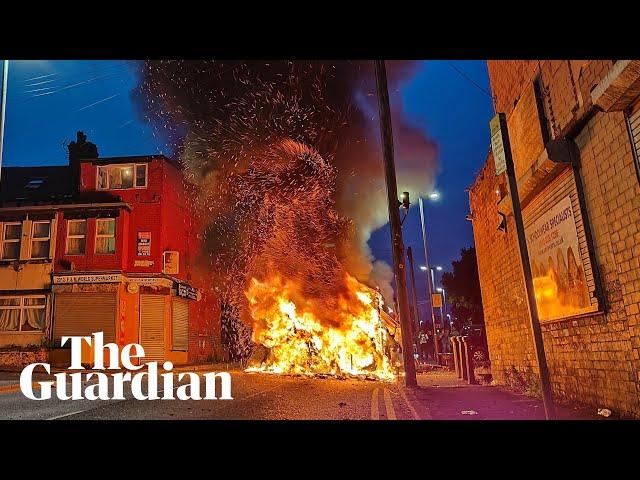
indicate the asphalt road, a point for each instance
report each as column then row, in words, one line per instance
column 256, row 396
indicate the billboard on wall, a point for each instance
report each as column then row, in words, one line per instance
column 556, row 265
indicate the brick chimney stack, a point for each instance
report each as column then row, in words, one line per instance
column 80, row 150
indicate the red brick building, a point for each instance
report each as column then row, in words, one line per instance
column 574, row 128
column 123, row 259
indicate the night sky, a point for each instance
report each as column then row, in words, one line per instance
column 48, row 101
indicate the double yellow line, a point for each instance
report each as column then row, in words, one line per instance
column 388, row 405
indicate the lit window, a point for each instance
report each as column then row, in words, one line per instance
column 76, row 237
column 106, row 235
column 103, row 178
column 22, row 314
column 40, row 239
column 119, row 177
column 11, row 234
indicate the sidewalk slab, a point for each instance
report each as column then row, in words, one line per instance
column 445, row 397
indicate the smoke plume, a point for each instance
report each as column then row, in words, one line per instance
column 288, row 158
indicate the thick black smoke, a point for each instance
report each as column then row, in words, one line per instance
column 226, row 117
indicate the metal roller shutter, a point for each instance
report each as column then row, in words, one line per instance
column 152, row 327
column 85, row 313
column 561, row 187
column 180, row 324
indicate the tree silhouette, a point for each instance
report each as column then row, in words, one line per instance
column 463, row 289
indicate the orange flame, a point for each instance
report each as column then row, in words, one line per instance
column 298, row 341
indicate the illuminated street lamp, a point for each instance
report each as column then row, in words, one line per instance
column 430, row 284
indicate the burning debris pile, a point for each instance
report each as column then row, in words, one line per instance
column 294, row 340
column 292, row 189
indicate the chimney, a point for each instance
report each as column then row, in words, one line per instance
column 80, row 150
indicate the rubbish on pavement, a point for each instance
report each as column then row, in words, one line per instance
column 469, row 412
column 605, row 412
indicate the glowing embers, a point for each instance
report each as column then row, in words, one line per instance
column 294, row 340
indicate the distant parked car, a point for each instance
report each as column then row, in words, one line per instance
column 477, row 337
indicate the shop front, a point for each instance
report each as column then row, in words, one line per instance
column 150, row 311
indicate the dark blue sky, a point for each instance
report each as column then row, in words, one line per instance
column 48, row 101
column 455, row 113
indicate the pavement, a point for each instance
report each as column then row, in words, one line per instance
column 439, row 396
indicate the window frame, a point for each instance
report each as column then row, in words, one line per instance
column 69, row 236
column 628, row 113
column 3, row 240
column 22, row 307
column 134, row 166
column 99, row 235
column 33, row 239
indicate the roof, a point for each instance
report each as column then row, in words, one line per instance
column 35, row 184
column 128, row 159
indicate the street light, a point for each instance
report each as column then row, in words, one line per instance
column 3, row 106
column 430, row 284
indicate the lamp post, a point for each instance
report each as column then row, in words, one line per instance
column 3, row 107
column 430, row 284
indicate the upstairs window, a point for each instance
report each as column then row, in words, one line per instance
column 11, row 235
column 105, row 236
column 76, row 237
column 120, row 177
column 40, row 239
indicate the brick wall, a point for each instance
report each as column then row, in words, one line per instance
column 17, row 358
column 593, row 359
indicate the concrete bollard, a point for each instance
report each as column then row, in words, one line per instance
column 456, row 360
column 471, row 378
column 463, row 358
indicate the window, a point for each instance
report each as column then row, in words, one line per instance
column 34, row 184
column 76, row 237
column 119, row 177
column 633, row 126
column 106, row 235
column 22, row 314
column 11, row 235
column 40, row 239
column 141, row 175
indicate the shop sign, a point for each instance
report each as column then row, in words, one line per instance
column 100, row 278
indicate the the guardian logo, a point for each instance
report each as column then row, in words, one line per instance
column 188, row 387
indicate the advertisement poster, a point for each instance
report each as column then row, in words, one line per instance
column 558, row 272
column 144, row 244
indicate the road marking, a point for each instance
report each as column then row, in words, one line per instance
column 391, row 413
column 375, row 414
column 411, row 408
column 69, row 414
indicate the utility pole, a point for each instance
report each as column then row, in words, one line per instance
column 3, row 106
column 500, row 138
column 415, row 296
column 386, row 134
column 430, row 282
